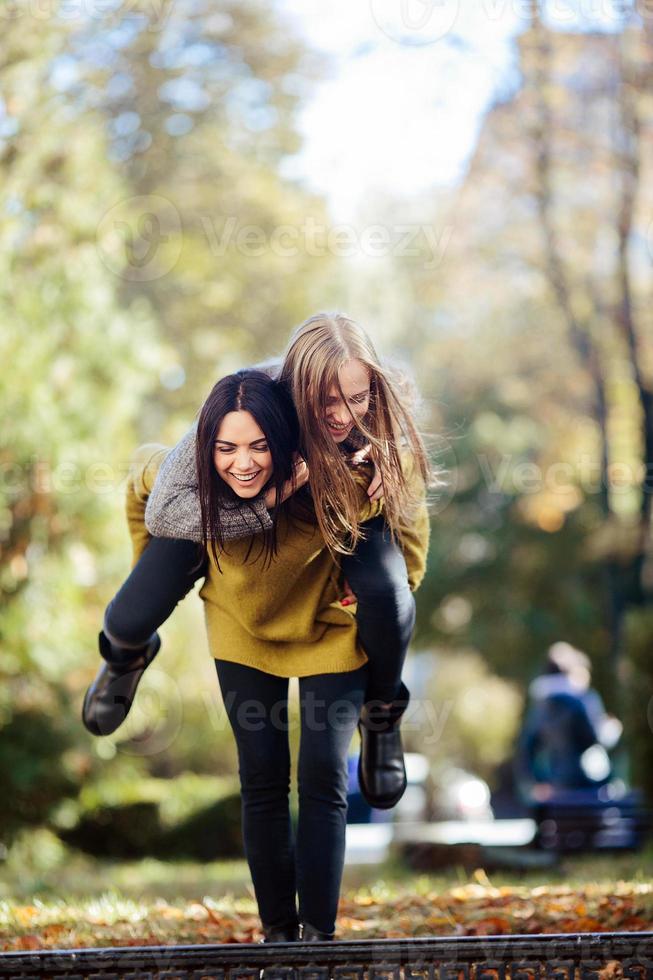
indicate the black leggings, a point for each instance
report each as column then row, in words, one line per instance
column 376, row 573
column 160, row 579
column 310, row 866
column 163, row 575
column 385, row 614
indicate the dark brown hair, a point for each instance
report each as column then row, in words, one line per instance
column 271, row 406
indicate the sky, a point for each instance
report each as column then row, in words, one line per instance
column 408, row 83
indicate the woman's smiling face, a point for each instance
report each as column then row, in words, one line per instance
column 341, row 413
column 241, row 454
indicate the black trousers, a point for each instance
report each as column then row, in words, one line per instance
column 329, row 709
column 165, row 572
column 385, row 614
column 311, row 865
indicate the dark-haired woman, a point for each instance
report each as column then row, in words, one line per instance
column 273, row 612
column 165, row 569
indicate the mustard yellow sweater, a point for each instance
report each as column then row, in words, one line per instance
column 286, row 618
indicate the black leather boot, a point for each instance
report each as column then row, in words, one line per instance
column 381, row 768
column 312, row 935
column 281, row 934
column 109, row 699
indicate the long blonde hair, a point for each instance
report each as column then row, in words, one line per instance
column 317, row 350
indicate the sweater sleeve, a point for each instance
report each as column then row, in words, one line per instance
column 173, row 509
column 368, row 509
column 414, row 531
column 142, row 473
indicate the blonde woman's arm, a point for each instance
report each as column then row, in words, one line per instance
column 414, row 531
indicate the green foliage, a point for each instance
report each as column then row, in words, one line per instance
column 80, row 363
column 638, row 696
column 96, row 315
column 117, row 832
column 143, row 194
column 212, row 833
column 172, row 820
column 35, row 776
column 213, row 99
column 508, row 573
column 472, row 718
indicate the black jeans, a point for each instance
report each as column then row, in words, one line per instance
column 163, row 575
column 160, row 579
column 376, row 573
column 385, row 614
column 310, row 866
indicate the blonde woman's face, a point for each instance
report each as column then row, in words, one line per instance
column 341, row 414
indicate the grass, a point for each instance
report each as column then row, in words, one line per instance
column 63, row 899
column 40, row 866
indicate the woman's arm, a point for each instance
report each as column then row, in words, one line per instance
column 142, row 473
column 173, row 508
column 413, row 532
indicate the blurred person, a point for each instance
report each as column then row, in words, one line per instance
column 566, row 731
column 569, row 670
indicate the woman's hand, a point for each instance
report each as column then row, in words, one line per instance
column 348, row 598
column 300, row 477
column 375, row 489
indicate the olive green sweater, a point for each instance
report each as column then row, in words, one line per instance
column 285, row 619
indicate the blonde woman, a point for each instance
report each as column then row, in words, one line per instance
column 350, row 409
